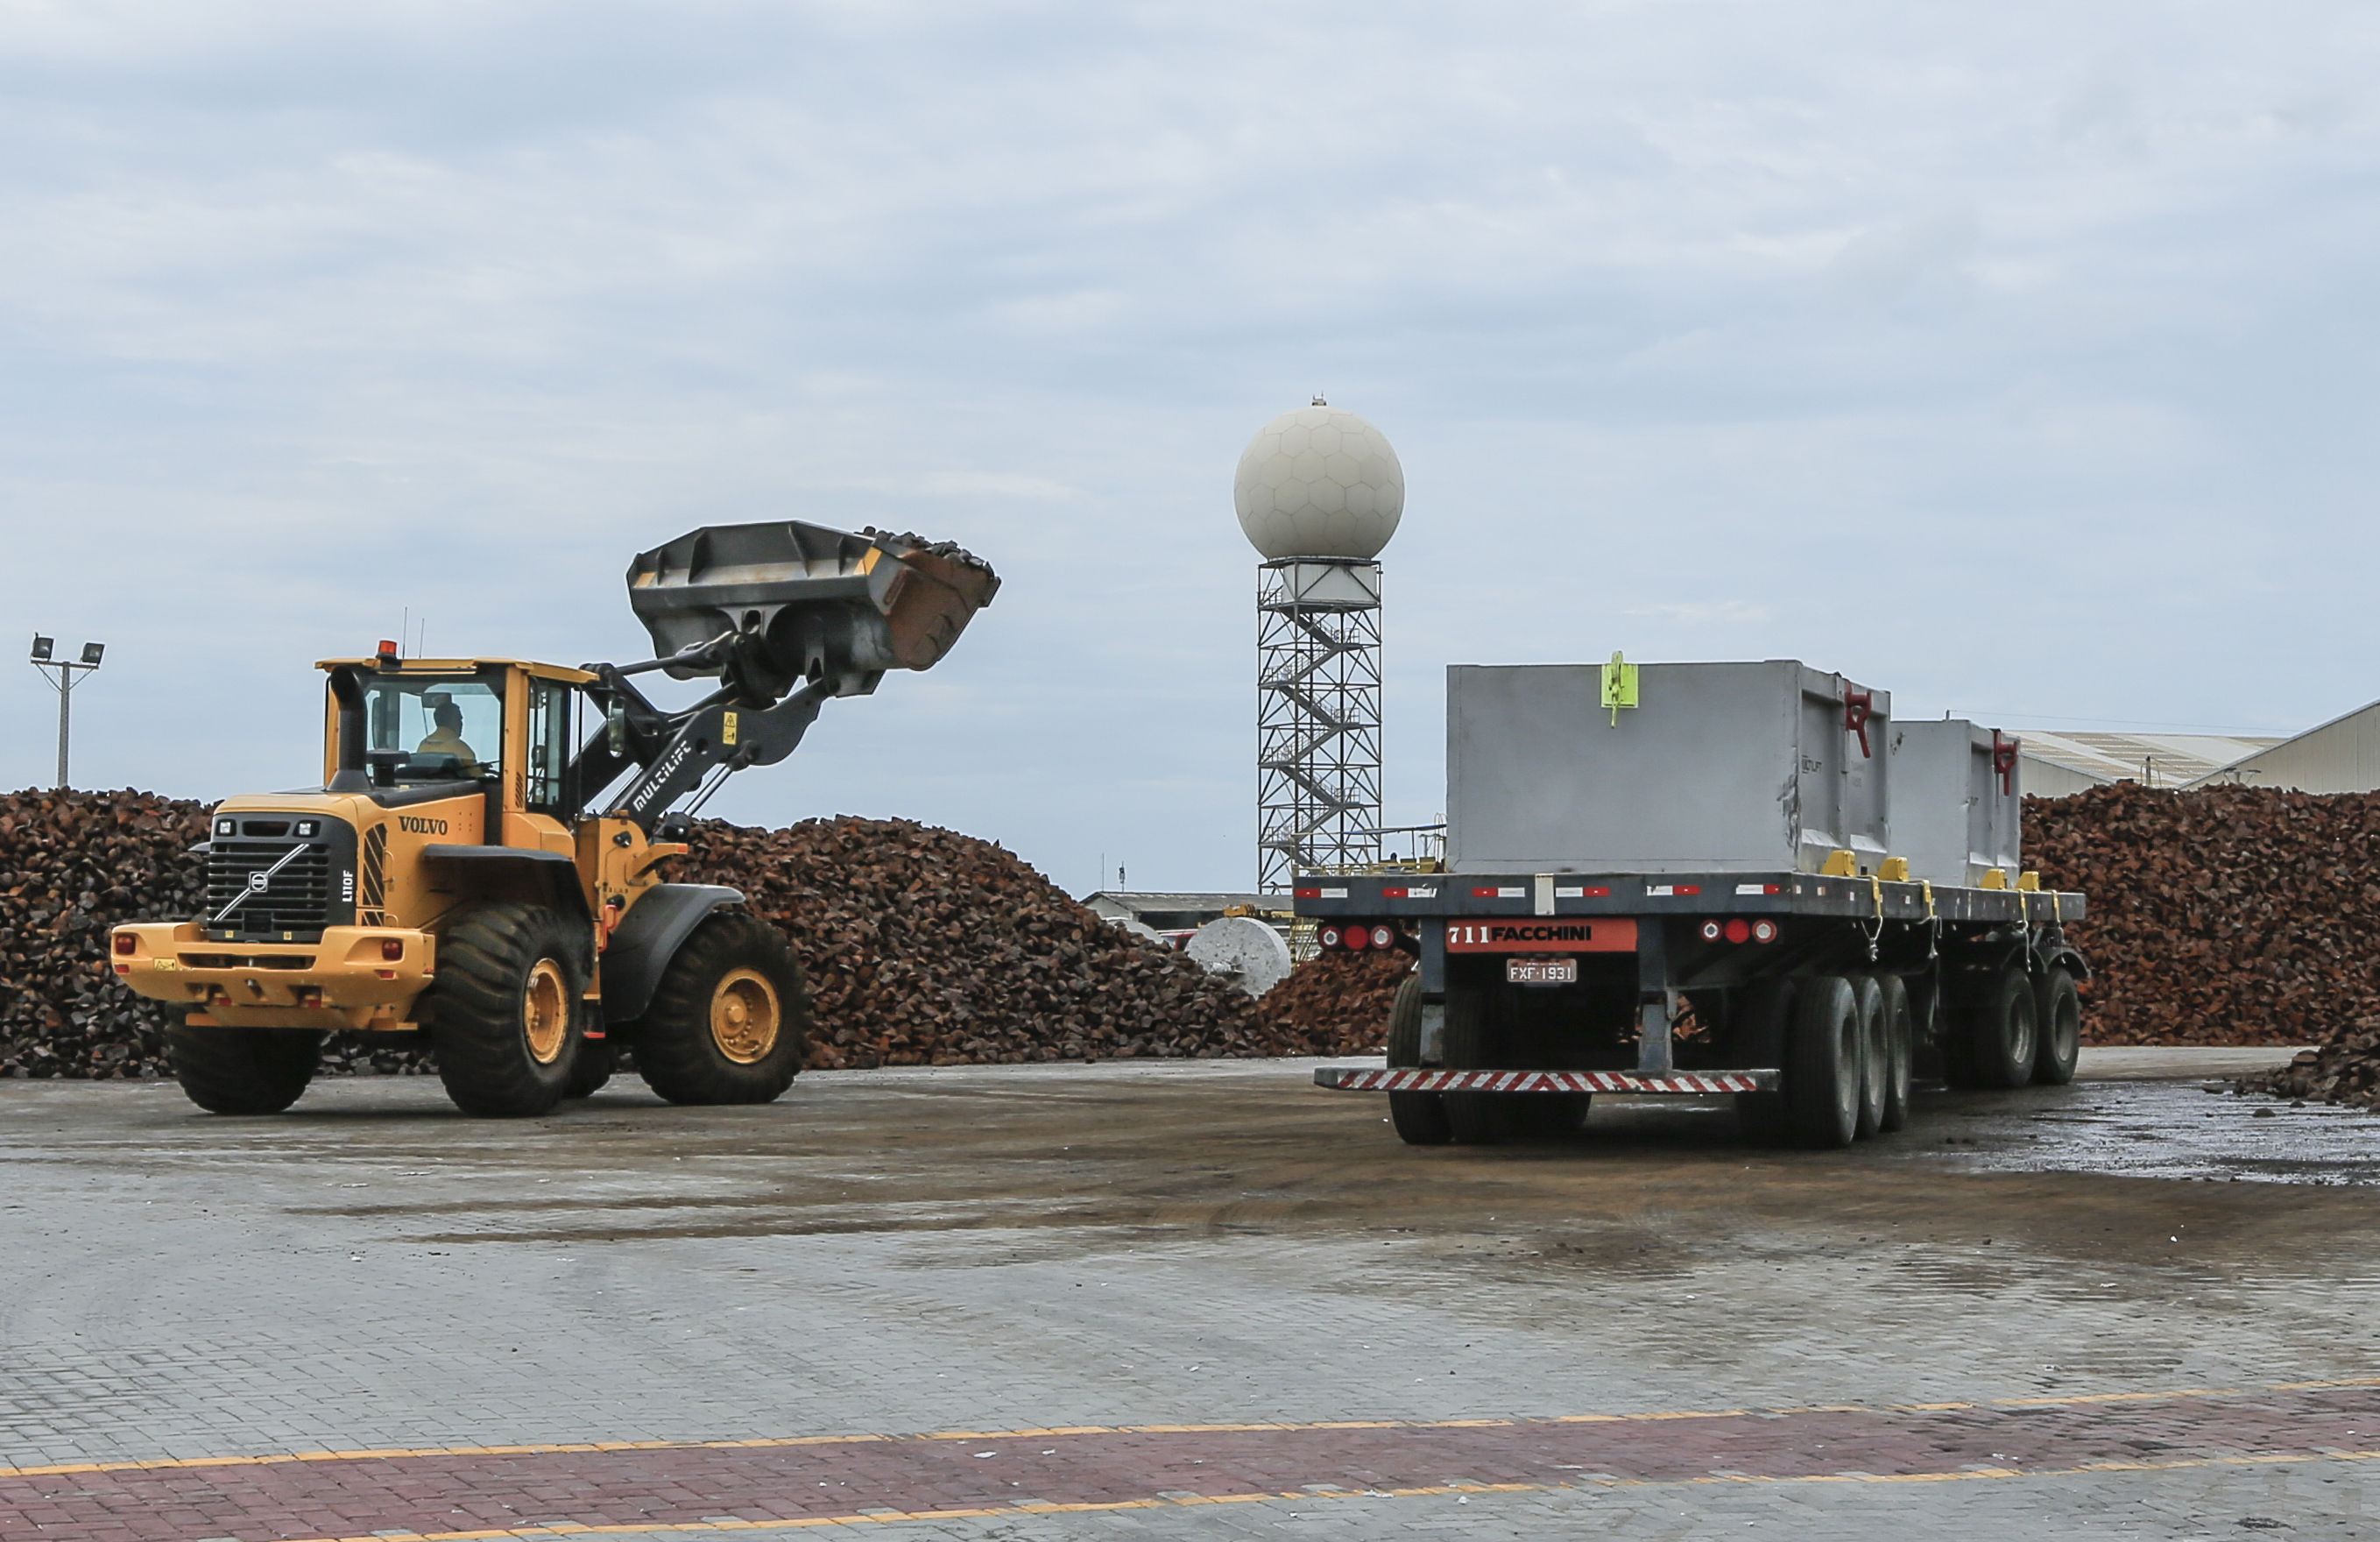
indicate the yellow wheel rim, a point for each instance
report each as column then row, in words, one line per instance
column 744, row 1016
column 545, row 1012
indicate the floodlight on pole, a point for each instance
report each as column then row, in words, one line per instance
column 70, row 674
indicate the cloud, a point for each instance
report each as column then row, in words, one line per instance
column 1918, row 332
column 1887, row 261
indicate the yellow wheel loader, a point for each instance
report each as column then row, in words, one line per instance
column 484, row 861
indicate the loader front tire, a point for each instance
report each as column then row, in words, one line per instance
column 505, row 1013
column 730, row 1021
column 243, row 1070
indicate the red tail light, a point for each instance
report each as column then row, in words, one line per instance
column 392, row 947
column 1739, row 931
column 123, row 942
column 1764, row 931
column 1358, row 939
column 1328, row 936
column 1383, row 937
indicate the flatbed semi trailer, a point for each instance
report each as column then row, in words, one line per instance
column 1815, row 1000
column 1746, row 879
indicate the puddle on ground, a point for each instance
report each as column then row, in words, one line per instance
column 2174, row 1130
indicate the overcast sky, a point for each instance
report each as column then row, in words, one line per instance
column 2020, row 359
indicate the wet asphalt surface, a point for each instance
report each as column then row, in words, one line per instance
column 1166, row 1244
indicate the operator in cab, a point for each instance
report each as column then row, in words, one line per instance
column 446, row 735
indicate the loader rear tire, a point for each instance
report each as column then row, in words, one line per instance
column 243, row 1070
column 730, row 1021
column 1822, row 1064
column 1419, row 1117
column 505, row 1013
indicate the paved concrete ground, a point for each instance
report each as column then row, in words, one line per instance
column 1183, row 1300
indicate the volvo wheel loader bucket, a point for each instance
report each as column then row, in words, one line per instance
column 773, row 604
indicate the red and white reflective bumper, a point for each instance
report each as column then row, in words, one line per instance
column 1546, row 1081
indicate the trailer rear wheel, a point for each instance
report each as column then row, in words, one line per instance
column 1873, row 1061
column 2058, row 1007
column 2002, row 1031
column 1472, row 1118
column 1419, row 1117
column 1899, row 1050
column 1961, row 1007
column 1761, row 1024
column 730, row 1021
column 505, row 1014
column 1484, row 1118
column 1822, row 1076
column 1925, row 1020
column 243, row 1070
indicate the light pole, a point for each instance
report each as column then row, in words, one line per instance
column 70, row 674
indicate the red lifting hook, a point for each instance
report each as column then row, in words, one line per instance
column 2004, row 753
column 1858, row 706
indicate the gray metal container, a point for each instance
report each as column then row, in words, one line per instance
column 1722, row 767
column 1955, row 817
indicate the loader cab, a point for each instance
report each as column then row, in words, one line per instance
column 435, row 728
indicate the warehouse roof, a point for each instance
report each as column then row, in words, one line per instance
column 1172, row 911
column 2153, row 759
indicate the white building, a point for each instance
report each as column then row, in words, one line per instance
column 2342, row 756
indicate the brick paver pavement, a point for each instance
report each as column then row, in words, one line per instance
column 1188, row 1244
column 946, row 1475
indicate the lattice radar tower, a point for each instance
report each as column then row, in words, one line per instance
column 1319, row 492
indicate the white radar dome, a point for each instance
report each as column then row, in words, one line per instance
column 1319, row 482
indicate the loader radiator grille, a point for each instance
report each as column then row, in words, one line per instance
column 294, row 905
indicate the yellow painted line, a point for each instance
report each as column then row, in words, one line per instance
column 2120, row 1397
column 397, row 1452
